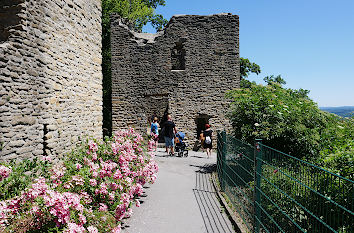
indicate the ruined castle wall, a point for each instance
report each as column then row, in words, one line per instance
column 50, row 73
column 143, row 81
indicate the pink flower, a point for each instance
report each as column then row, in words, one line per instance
column 111, row 196
column 93, row 182
column 4, row 172
column 94, row 156
column 86, row 197
column 116, row 229
column 117, row 175
column 129, row 213
column 46, row 158
column 103, row 207
column 93, row 146
column 137, row 203
column 35, row 209
column 77, row 180
column 74, row 228
column 114, row 186
column 78, row 166
column 103, row 189
column 92, row 229
column 82, row 219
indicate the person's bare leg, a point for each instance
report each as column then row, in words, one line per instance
column 172, row 151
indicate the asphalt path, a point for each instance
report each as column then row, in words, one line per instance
column 182, row 200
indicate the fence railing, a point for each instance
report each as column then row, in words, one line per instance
column 275, row 192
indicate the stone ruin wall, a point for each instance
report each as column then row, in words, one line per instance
column 50, row 75
column 143, row 81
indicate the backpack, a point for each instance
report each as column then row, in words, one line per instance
column 153, row 128
column 207, row 140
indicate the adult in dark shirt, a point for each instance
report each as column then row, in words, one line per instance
column 208, row 139
column 169, row 133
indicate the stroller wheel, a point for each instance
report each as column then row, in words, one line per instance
column 186, row 154
column 180, row 154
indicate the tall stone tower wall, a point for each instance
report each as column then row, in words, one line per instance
column 50, row 75
column 184, row 70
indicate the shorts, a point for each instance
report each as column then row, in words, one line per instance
column 169, row 142
column 154, row 136
column 210, row 146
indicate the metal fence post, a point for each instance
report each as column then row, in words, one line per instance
column 258, row 177
column 218, row 158
column 223, row 160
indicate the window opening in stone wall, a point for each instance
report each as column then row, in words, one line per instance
column 9, row 18
column 178, row 56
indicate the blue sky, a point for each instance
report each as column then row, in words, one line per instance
column 309, row 42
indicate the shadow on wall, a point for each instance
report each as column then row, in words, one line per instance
column 9, row 18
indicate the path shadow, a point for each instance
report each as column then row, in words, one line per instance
column 207, row 168
column 161, row 155
column 209, row 206
column 125, row 223
column 199, row 157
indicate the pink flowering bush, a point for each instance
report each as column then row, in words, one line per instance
column 91, row 190
column 4, row 172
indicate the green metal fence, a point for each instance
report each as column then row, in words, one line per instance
column 275, row 192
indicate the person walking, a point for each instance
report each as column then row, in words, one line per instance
column 208, row 140
column 155, row 131
column 169, row 132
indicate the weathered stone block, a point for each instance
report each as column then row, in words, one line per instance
column 23, row 120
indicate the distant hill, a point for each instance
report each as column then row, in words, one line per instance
column 344, row 111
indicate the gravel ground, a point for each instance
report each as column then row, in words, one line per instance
column 181, row 200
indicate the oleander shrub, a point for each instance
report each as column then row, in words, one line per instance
column 91, row 190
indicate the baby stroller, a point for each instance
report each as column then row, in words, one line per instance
column 180, row 145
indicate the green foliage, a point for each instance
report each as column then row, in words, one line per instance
column 274, row 79
column 302, row 185
column 289, row 121
column 285, row 119
column 138, row 13
column 247, row 67
column 22, row 175
column 337, row 154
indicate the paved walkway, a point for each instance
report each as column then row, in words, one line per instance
column 182, row 200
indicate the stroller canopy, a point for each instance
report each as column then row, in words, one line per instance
column 180, row 135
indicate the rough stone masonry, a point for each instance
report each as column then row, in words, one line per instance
column 50, row 75
column 184, row 70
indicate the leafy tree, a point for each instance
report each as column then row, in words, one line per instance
column 337, row 154
column 285, row 119
column 138, row 13
column 288, row 120
column 247, row 67
column 277, row 79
